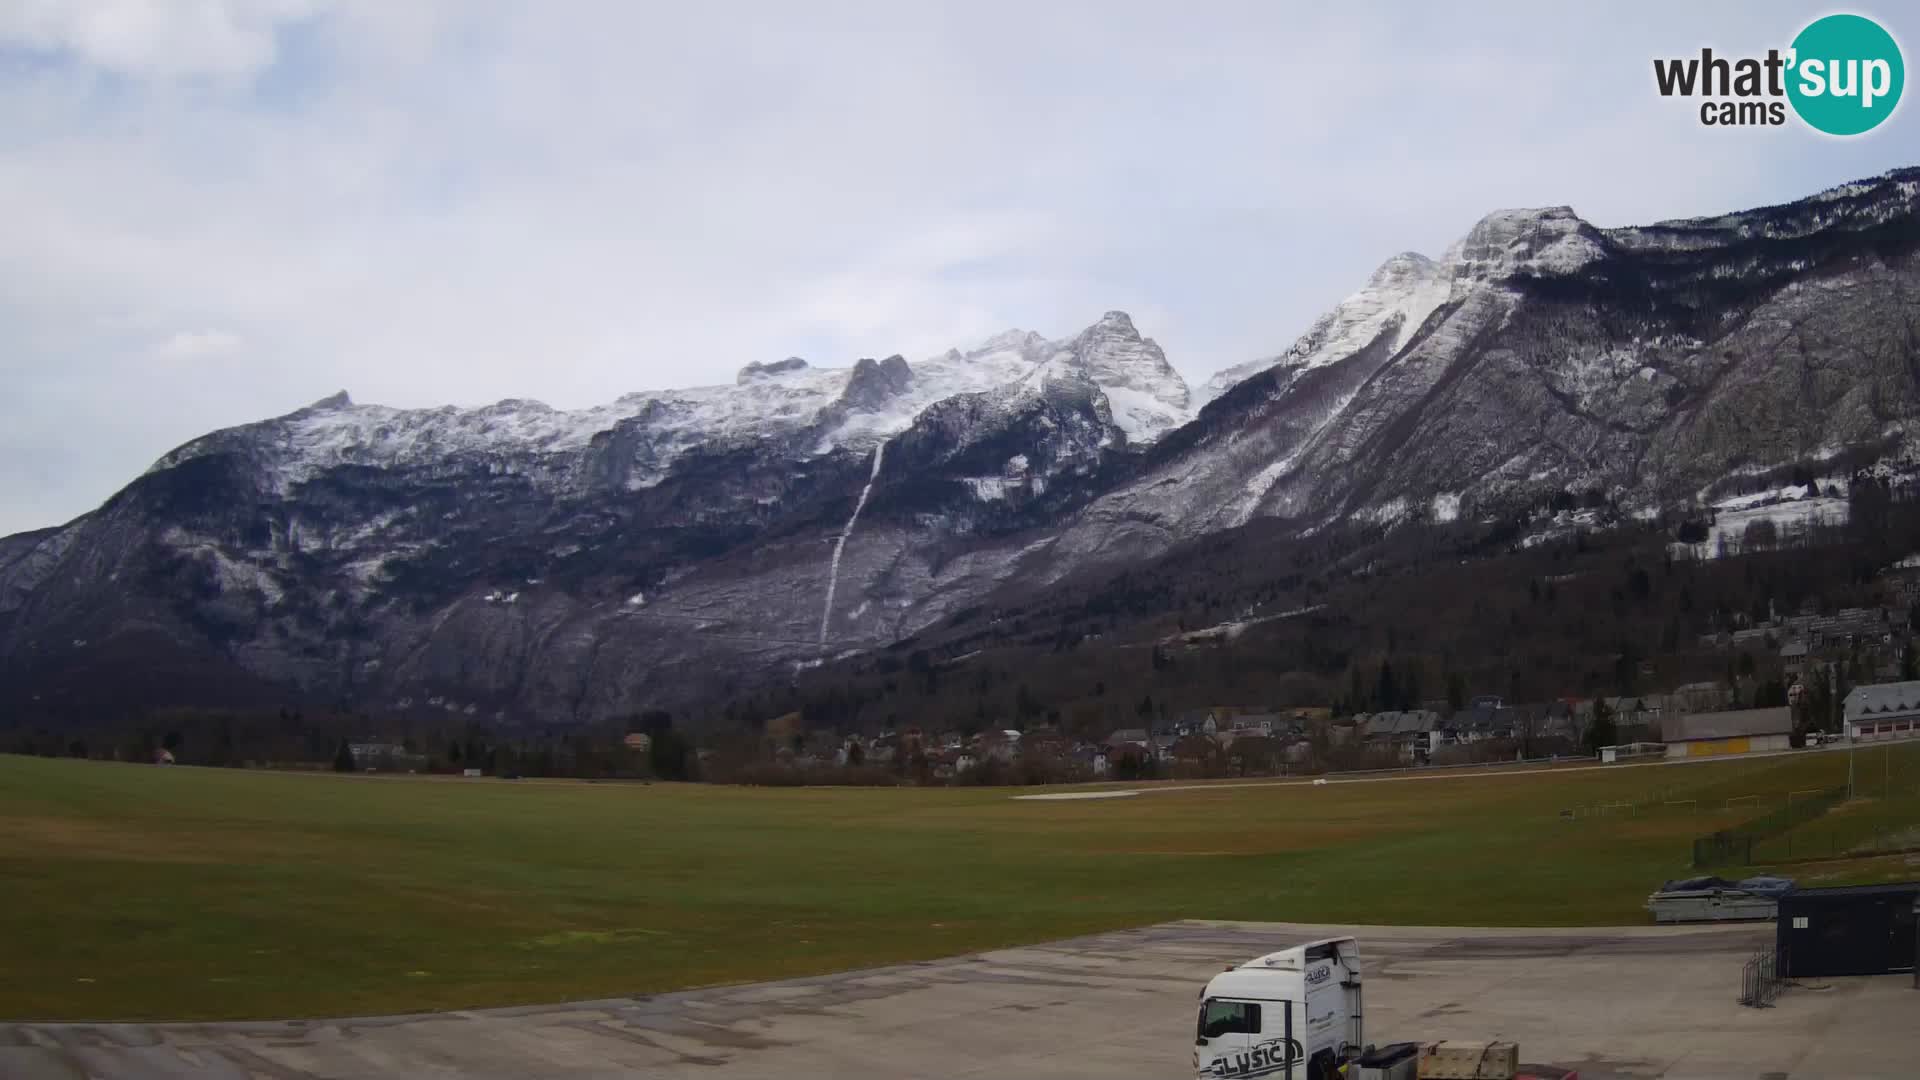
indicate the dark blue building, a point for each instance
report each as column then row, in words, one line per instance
column 1849, row 930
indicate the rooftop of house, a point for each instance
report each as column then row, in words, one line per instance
column 1727, row 725
column 1394, row 722
column 1881, row 699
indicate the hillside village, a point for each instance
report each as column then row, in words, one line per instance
column 1851, row 673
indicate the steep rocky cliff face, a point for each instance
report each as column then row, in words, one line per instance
column 523, row 563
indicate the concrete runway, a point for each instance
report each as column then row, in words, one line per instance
column 1635, row 1002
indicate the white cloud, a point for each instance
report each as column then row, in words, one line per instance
column 160, row 38
column 193, row 344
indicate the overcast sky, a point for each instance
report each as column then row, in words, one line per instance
column 219, row 210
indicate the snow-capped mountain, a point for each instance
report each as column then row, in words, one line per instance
column 516, row 556
column 1647, row 363
column 842, row 408
column 517, row 561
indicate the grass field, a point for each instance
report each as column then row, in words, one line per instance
column 134, row 892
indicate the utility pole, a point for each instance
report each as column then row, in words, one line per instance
column 1853, row 746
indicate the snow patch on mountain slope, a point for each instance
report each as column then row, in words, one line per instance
column 1400, row 295
column 1263, row 482
column 1727, row 534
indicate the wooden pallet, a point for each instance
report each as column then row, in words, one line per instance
column 1448, row 1060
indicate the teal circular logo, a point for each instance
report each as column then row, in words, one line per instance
column 1846, row 76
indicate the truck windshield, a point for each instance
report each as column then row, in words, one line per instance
column 1219, row 1018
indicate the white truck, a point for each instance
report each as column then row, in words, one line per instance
column 1293, row 1014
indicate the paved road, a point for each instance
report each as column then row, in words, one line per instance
column 1464, row 772
column 1637, row 1002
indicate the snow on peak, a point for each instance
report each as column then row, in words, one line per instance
column 1005, row 341
column 336, row 400
column 1408, row 266
column 1551, row 240
column 1406, row 289
column 1398, row 298
column 852, row 408
column 1147, row 396
column 762, row 370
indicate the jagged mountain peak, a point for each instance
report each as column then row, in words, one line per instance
column 1402, row 267
column 493, row 558
column 873, row 383
column 1407, row 288
column 1012, row 339
column 1148, row 397
column 1543, row 240
column 1397, row 298
column 337, row 400
column 760, row 369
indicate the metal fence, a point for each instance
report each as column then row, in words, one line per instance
column 1761, row 978
column 1735, row 845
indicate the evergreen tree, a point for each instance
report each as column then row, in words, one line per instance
column 1601, row 732
column 1386, row 694
column 343, row 758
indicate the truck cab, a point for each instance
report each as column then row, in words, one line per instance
column 1290, row 1014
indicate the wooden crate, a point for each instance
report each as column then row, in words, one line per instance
column 1449, row 1060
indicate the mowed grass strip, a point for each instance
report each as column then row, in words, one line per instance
column 140, row 893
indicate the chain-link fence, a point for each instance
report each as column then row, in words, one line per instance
column 1735, row 846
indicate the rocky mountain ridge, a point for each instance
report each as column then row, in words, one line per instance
column 517, row 562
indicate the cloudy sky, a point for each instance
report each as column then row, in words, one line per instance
column 220, row 210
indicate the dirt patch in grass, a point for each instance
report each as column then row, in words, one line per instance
column 72, row 838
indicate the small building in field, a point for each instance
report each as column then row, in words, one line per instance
column 1739, row 731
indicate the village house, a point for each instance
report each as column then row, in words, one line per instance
column 1902, row 582
column 1793, row 658
column 1882, row 712
column 1700, row 697
column 1263, row 723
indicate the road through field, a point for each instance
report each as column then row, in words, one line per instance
column 1640, row 1002
column 1467, row 772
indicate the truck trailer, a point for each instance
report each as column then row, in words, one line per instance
column 1290, row 1014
